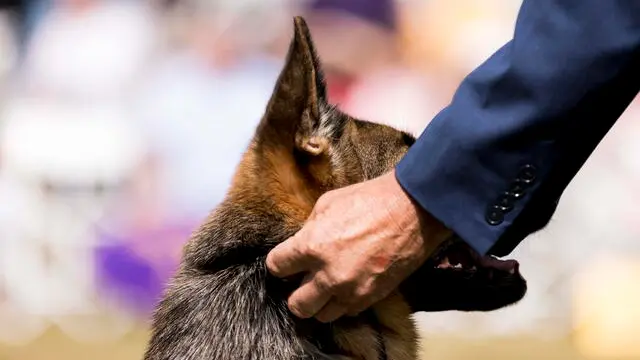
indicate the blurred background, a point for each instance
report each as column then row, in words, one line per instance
column 121, row 123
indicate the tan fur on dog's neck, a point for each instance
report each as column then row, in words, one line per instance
column 271, row 172
column 275, row 177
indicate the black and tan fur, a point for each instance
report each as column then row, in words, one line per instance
column 223, row 304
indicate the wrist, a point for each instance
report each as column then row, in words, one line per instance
column 432, row 230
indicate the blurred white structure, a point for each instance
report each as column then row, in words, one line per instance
column 90, row 50
column 59, row 162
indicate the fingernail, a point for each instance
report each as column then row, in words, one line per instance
column 297, row 312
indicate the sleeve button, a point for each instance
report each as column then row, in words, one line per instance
column 495, row 215
column 527, row 174
column 505, row 202
column 517, row 189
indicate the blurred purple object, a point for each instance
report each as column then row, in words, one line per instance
column 130, row 277
column 136, row 267
column 380, row 12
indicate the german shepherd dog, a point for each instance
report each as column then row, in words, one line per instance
column 222, row 304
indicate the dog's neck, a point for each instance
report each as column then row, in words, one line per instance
column 267, row 203
column 272, row 177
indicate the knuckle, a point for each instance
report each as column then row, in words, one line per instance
column 348, row 278
column 342, row 282
column 323, row 201
column 323, row 284
column 362, row 292
column 359, row 298
column 315, row 249
column 312, row 248
column 323, row 204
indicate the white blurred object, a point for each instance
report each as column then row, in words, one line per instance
column 395, row 97
column 90, row 52
column 18, row 222
column 199, row 121
column 68, row 143
column 627, row 150
column 46, row 243
column 247, row 24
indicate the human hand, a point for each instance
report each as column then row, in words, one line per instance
column 359, row 243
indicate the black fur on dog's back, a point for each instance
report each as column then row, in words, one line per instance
column 232, row 308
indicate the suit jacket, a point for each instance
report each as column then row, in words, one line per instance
column 493, row 164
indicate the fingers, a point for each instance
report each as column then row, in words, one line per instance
column 355, row 311
column 286, row 259
column 331, row 312
column 364, row 303
column 308, row 299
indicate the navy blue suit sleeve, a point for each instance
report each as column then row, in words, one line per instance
column 493, row 164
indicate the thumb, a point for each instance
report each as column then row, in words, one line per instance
column 287, row 259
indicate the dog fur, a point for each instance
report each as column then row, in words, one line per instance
column 223, row 304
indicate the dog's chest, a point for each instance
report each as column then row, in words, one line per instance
column 394, row 337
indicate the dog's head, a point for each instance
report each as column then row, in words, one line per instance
column 304, row 147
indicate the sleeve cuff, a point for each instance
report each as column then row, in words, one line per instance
column 449, row 180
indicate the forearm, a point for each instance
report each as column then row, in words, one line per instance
column 535, row 110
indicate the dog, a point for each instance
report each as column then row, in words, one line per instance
column 222, row 303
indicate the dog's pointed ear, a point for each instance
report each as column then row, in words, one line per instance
column 294, row 115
